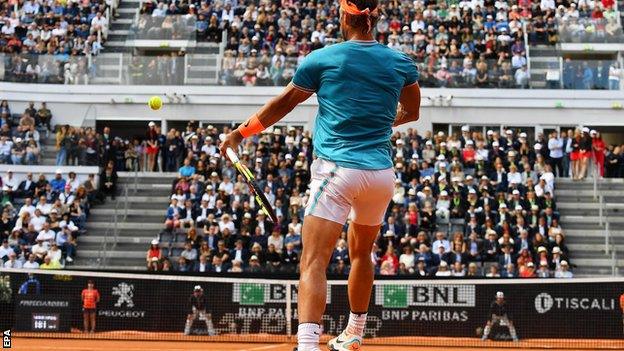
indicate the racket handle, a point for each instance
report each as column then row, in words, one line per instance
column 231, row 155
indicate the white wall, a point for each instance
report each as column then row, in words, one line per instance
column 78, row 105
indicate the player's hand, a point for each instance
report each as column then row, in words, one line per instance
column 231, row 140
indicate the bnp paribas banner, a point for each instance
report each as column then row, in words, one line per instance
column 400, row 308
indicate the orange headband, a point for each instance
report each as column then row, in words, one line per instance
column 351, row 9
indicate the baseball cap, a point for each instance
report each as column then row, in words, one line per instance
column 465, row 128
column 253, row 258
column 500, row 294
column 585, row 130
column 154, row 241
column 197, row 287
column 564, row 263
column 556, row 249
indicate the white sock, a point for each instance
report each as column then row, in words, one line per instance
column 356, row 325
column 308, row 336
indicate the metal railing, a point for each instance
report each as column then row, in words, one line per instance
column 109, row 244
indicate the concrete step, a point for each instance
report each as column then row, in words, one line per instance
column 126, row 14
column 117, row 37
column 116, row 43
column 144, row 240
column 596, row 262
column 131, row 212
column 156, row 227
column 583, row 199
column 115, row 254
column 589, row 233
column 588, row 219
column 127, row 233
column 140, row 218
column 161, row 206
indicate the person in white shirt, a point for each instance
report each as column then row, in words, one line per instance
column 227, row 186
column 443, row 270
column 31, row 263
column 39, row 250
column 562, row 271
column 555, row 145
column 276, row 239
column 615, row 73
column 12, row 262
column 99, row 24
column 408, row 258
column 225, row 222
column 458, row 270
column 547, row 5
column 9, row 183
column 27, row 207
column 44, row 206
column 55, row 253
column 67, row 196
column 5, row 249
column 37, row 220
column 441, row 241
column 46, row 235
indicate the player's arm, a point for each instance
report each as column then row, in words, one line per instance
column 409, row 106
column 269, row 114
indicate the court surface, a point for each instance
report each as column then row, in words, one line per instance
column 44, row 344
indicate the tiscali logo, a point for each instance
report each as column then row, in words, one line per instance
column 543, row 303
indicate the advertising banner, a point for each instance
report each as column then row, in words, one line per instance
column 403, row 308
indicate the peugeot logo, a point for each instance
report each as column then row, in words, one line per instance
column 543, row 302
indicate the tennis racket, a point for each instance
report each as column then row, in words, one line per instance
column 261, row 200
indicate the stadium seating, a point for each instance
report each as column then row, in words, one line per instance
column 498, row 44
column 447, row 188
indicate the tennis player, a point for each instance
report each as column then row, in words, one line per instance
column 358, row 84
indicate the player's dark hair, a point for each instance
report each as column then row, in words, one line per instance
column 365, row 23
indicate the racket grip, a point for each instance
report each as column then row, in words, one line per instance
column 231, row 155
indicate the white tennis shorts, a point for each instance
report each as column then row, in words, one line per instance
column 337, row 193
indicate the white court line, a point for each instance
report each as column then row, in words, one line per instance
column 264, row 347
column 107, row 348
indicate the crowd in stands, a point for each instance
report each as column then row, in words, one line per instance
column 455, row 44
column 596, row 74
column 472, row 204
column 48, row 42
column 21, row 134
column 42, row 219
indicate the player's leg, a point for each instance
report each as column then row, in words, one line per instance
column 327, row 210
column 85, row 320
column 488, row 326
column 190, row 318
column 92, row 315
column 319, row 237
column 207, row 317
column 512, row 329
column 369, row 208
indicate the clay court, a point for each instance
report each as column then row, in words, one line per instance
column 379, row 344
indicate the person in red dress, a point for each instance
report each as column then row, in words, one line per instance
column 90, row 299
column 599, row 151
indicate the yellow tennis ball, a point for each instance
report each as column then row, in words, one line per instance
column 155, row 103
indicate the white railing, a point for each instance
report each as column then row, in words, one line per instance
column 526, row 47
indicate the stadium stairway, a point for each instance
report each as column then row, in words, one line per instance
column 145, row 217
column 542, row 57
column 120, row 26
column 580, row 220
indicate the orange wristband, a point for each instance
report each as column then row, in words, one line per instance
column 251, row 127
